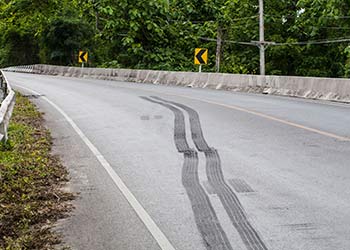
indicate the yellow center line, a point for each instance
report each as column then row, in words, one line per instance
column 335, row 136
column 269, row 117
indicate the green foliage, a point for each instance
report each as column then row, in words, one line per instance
column 162, row 34
column 62, row 38
column 19, row 48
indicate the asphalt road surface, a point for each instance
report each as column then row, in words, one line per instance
column 167, row 168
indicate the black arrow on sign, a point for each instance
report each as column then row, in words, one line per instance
column 199, row 56
column 82, row 56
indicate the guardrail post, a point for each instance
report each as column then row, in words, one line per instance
column 2, row 86
column 5, row 91
column 3, row 134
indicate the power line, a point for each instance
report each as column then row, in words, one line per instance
column 211, row 21
column 340, row 17
column 334, row 28
column 327, row 27
column 339, row 40
column 312, row 17
column 256, row 16
column 319, row 42
column 245, row 18
column 227, row 41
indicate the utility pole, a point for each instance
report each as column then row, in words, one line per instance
column 218, row 48
column 262, row 44
column 262, row 37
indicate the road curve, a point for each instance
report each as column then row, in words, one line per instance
column 160, row 167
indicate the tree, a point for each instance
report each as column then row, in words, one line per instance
column 163, row 34
column 62, row 38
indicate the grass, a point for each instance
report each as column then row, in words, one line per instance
column 31, row 180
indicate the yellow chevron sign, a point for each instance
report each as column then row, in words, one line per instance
column 200, row 56
column 83, row 56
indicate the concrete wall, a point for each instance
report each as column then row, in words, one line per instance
column 306, row 87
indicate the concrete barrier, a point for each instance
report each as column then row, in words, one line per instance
column 307, row 87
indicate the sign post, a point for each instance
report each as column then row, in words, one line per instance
column 200, row 57
column 83, row 57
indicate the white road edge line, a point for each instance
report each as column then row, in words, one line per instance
column 152, row 227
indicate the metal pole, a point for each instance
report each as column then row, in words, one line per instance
column 262, row 37
column 82, row 65
column 200, row 68
column 218, row 48
column 3, row 88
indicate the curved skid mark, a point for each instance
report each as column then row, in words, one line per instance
column 216, row 178
column 207, row 222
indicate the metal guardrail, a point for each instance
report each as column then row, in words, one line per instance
column 6, row 107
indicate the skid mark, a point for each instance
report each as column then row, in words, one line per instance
column 206, row 219
column 240, row 186
column 144, row 117
column 228, row 198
